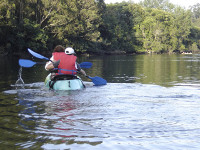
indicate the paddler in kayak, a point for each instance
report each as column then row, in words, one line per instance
column 64, row 62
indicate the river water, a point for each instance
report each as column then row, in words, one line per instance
column 150, row 102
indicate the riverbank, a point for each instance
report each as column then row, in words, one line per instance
column 91, row 53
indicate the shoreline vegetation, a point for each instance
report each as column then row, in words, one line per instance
column 92, row 27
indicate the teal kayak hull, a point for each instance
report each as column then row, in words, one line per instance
column 72, row 84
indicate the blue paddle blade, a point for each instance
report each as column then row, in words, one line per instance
column 26, row 63
column 37, row 55
column 85, row 65
column 98, row 80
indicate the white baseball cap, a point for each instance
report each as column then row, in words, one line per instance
column 69, row 51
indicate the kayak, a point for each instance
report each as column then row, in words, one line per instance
column 64, row 82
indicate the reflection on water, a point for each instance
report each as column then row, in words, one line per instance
column 164, row 70
column 134, row 111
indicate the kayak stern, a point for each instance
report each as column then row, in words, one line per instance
column 64, row 84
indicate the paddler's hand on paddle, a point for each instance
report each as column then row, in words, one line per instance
column 83, row 72
column 51, row 65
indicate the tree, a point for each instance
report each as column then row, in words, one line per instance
column 196, row 14
column 194, row 48
column 118, row 22
column 156, row 31
column 75, row 23
column 182, row 27
column 156, row 26
column 194, row 38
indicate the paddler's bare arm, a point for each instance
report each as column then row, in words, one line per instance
column 80, row 70
column 51, row 65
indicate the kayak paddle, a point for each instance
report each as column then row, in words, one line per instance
column 28, row 63
column 97, row 80
column 38, row 55
column 85, row 65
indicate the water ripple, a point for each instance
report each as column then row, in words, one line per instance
column 115, row 116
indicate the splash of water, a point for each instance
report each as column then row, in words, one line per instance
column 20, row 81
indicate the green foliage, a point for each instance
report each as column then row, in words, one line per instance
column 194, row 47
column 194, row 37
column 74, row 23
column 196, row 14
column 118, row 22
column 42, row 24
column 153, row 26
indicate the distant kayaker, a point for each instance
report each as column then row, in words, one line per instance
column 65, row 61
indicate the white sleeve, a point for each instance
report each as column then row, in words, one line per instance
column 48, row 63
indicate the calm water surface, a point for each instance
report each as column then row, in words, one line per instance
column 150, row 102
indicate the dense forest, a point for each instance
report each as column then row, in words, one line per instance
column 91, row 26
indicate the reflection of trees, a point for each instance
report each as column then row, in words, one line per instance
column 12, row 131
column 8, row 71
column 107, row 65
column 97, row 68
column 158, row 69
column 165, row 69
column 122, row 66
column 149, row 69
column 34, row 74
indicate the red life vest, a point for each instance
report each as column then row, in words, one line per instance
column 67, row 63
